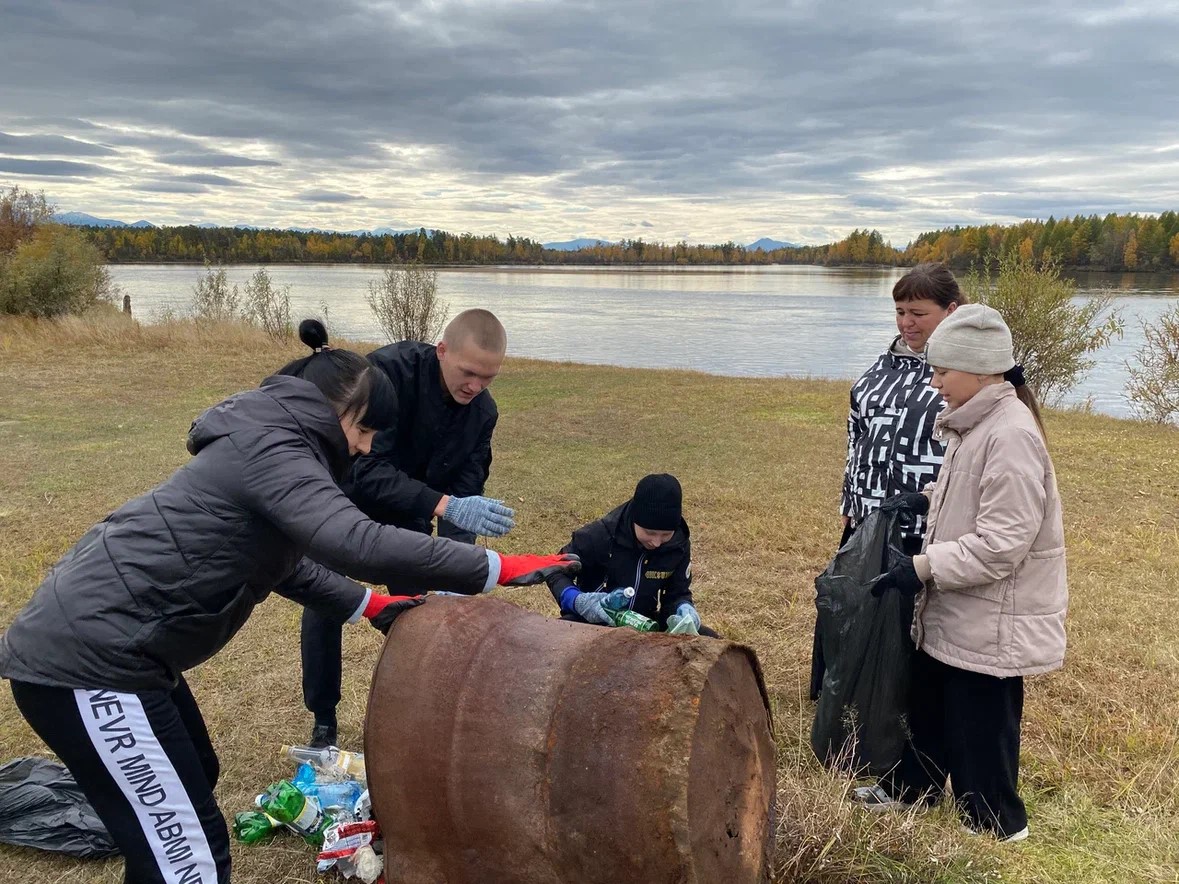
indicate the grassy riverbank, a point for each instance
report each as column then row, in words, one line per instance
column 91, row 415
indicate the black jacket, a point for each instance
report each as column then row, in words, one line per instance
column 438, row 447
column 890, row 444
column 611, row 557
column 166, row 580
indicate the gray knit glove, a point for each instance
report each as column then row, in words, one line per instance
column 588, row 606
column 480, row 515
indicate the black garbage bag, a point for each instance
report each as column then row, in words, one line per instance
column 41, row 806
column 860, row 720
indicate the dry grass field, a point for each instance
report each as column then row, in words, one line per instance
column 92, row 413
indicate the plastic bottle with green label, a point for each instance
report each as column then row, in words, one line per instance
column 254, row 827
column 287, row 804
column 617, row 607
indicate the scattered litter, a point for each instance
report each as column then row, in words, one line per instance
column 332, row 762
column 326, row 803
column 334, row 795
column 347, row 847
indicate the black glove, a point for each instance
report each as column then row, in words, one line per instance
column 384, row 618
column 909, row 502
column 903, row 577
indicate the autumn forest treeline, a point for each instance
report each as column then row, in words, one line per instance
column 1113, row 242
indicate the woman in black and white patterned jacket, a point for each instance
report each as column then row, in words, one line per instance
column 890, row 444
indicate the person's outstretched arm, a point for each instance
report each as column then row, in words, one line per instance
column 283, row 481
column 286, row 483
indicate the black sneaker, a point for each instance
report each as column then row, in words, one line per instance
column 322, row 736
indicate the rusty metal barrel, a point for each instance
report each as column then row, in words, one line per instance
column 505, row 746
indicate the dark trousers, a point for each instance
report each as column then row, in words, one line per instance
column 911, row 547
column 964, row 725
column 321, row 646
column 145, row 762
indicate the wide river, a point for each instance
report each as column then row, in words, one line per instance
column 761, row 321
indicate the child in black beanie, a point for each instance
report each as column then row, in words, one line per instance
column 643, row 543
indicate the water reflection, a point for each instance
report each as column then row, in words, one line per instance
column 762, row 321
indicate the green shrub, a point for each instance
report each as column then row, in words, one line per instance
column 213, row 299
column 1053, row 333
column 1153, row 387
column 54, row 272
column 268, row 306
column 406, row 304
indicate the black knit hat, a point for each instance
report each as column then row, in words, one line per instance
column 658, row 502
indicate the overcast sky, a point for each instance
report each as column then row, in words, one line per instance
column 664, row 119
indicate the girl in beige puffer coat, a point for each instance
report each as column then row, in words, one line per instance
column 991, row 578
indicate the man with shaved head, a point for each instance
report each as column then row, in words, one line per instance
column 433, row 464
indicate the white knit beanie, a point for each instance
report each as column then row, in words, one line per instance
column 974, row 338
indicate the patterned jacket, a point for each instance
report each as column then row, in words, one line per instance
column 890, row 444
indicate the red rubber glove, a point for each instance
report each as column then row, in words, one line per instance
column 382, row 610
column 527, row 570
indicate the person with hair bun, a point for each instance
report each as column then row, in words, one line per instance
column 990, row 583
column 96, row 659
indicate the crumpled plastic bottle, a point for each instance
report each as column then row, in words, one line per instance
column 331, row 761
column 331, row 794
column 288, row 805
column 254, row 827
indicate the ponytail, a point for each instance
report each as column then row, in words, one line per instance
column 1014, row 376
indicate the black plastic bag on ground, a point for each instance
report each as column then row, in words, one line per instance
column 41, row 806
column 860, row 720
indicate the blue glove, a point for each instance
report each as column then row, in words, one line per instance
column 588, row 606
column 480, row 515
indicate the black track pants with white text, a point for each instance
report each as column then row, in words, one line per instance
column 146, row 763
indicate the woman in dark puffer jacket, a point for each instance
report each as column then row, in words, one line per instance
column 96, row 658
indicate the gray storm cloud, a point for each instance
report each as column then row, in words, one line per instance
column 745, row 119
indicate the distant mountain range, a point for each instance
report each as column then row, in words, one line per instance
column 81, row 219
column 572, row 245
column 765, row 244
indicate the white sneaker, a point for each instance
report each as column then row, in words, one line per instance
column 1021, row 835
column 875, row 799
